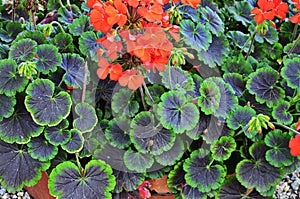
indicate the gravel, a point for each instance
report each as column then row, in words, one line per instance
column 289, row 188
column 17, row 195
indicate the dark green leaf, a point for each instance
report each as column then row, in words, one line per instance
column 118, row 133
column 18, row 168
column 236, row 81
column 7, row 106
column 79, row 26
column 36, row 36
column 88, row 45
column 189, row 192
column 87, row 119
column 41, row 149
column 58, row 134
column 155, row 91
column 75, row 143
column 68, row 14
column 239, row 39
column 240, row 116
column 237, row 64
column 209, row 97
column 176, row 178
column 121, row 101
column 222, row 148
column 48, row 58
column 10, row 31
column 10, row 80
column 127, row 181
column 214, row 22
column 175, row 78
column 46, row 107
column 148, row 136
column 271, row 35
column 64, row 42
column 175, row 112
column 291, row 72
column 280, row 113
column 68, row 181
column 241, row 11
column 138, row 162
column 23, row 50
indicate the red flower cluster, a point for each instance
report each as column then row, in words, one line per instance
column 295, row 142
column 142, row 27
column 268, row 9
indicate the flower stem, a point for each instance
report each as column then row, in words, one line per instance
column 294, row 45
column 295, row 31
column 147, row 92
column 286, row 127
column 143, row 98
column 251, row 44
column 78, row 162
column 59, row 25
column 13, row 11
column 248, row 40
column 84, row 83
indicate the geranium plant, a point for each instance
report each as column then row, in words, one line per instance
column 106, row 95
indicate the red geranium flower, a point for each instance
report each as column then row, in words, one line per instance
column 116, row 13
column 153, row 12
column 295, row 18
column 294, row 145
column 297, row 3
column 281, row 8
column 298, row 126
column 115, row 71
column 131, row 79
column 264, row 12
column 192, row 3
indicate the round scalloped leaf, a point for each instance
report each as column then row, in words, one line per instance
column 176, row 178
column 216, row 51
column 88, row 45
column 241, row 12
column 232, row 189
column 137, row 161
column 214, row 22
column 215, row 130
column 45, row 107
column 288, row 47
column 227, row 100
column 19, row 127
column 222, row 148
column 11, row 82
column 279, row 155
column 239, row 39
column 262, row 85
column 178, row 79
column 75, row 143
column 74, row 66
column 127, row 181
column 35, row 35
column 176, row 113
column 9, row 30
column 148, row 136
column 4, row 49
column 195, row 35
column 7, row 106
column 105, row 89
column 189, row 192
column 41, row 149
column 79, row 26
column 18, row 168
column 23, row 50
column 199, row 129
column 236, row 81
column 271, row 36
column 209, row 97
column 156, row 92
column 291, row 72
column 68, row 181
column 257, row 172
column 68, row 14
column 240, row 116
column 58, row 135
column 87, row 119
column 170, row 157
column 237, row 64
column 200, row 174
column 117, row 133
column 280, row 113
column 64, row 42
column 121, row 103
column 48, row 58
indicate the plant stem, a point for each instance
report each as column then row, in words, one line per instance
column 33, row 19
column 147, row 92
column 251, row 44
column 61, row 81
column 294, row 45
column 59, row 25
column 295, row 31
column 251, row 36
column 143, row 98
column 169, row 77
column 61, row 4
column 84, row 82
column 286, row 127
column 13, row 11
column 78, row 161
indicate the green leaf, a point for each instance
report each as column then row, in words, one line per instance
column 155, row 91
column 18, row 168
column 127, row 181
column 291, row 72
column 64, row 42
column 222, row 148
column 59, row 134
column 257, row 173
column 236, row 81
column 4, row 49
column 35, row 35
column 137, row 161
column 148, row 136
column 237, row 64
column 280, row 113
column 10, row 30
column 87, row 119
column 68, row 182
column 200, row 174
column 48, row 58
column 176, row 113
column 210, row 97
column 239, row 39
column 68, row 14
column 279, row 155
column 88, row 45
column 262, row 83
column 170, row 157
column 41, row 149
column 46, row 107
column 19, row 127
column 271, row 35
column 195, row 35
column 214, row 22
column 10, row 81
column 240, row 116
column 241, row 12
column 117, row 133
column 23, row 50
column 7, row 106
column 79, row 26
column 75, row 143
column 176, row 178
column 189, row 192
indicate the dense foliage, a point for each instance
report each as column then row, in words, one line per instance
column 104, row 95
